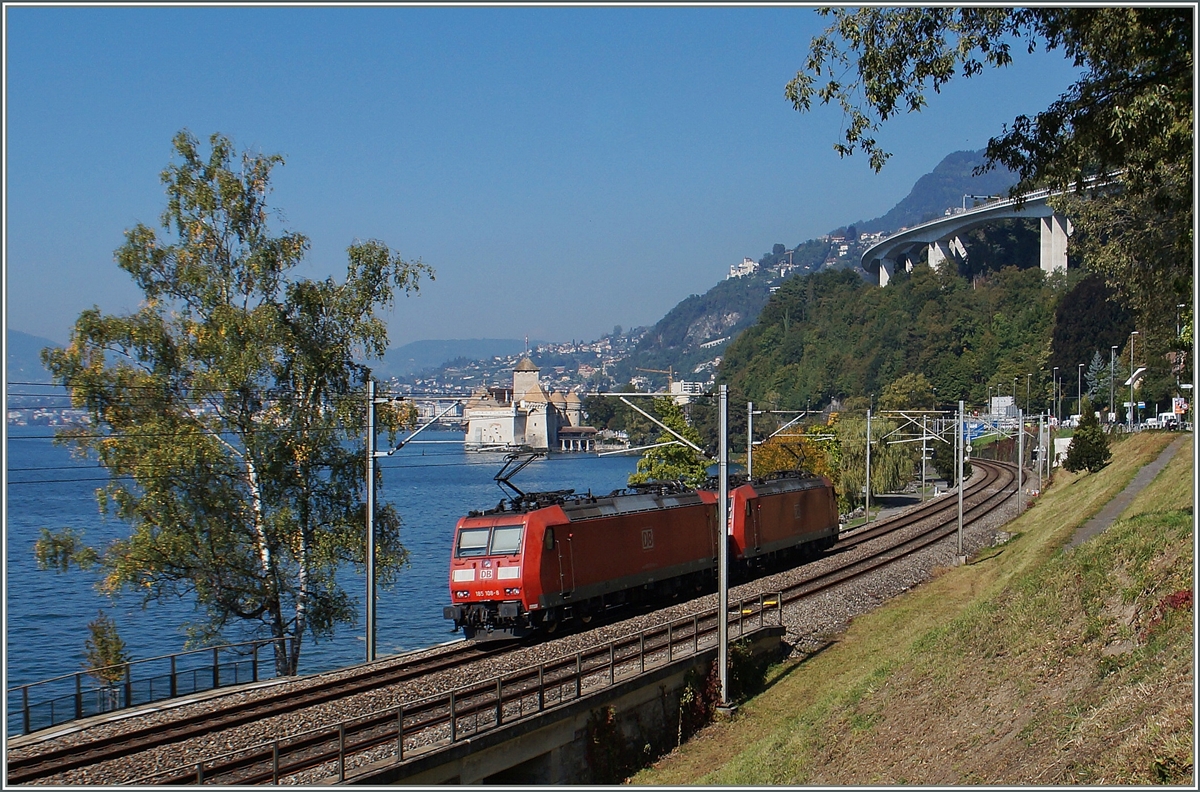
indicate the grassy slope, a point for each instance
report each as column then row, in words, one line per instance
column 1029, row 665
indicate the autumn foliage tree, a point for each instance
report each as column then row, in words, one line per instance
column 812, row 448
column 229, row 411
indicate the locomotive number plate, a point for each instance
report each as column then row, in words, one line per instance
column 647, row 538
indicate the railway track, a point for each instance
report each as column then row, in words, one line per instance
column 496, row 700
column 31, row 768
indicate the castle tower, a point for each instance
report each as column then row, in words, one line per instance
column 525, row 379
column 574, row 409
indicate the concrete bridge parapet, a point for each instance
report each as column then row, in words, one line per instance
column 942, row 238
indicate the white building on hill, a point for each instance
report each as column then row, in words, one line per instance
column 748, row 267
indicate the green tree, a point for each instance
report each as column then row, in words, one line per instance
column 1096, row 377
column 1128, row 118
column 910, row 392
column 891, row 463
column 676, row 462
column 104, row 650
column 1089, row 445
column 229, row 411
column 105, row 654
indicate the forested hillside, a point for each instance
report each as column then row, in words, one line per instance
column 830, row 335
column 732, row 305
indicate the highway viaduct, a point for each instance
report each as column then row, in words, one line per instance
column 942, row 237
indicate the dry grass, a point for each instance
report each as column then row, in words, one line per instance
column 1032, row 665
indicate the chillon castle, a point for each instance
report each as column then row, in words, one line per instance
column 526, row 416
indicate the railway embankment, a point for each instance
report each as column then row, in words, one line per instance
column 1036, row 663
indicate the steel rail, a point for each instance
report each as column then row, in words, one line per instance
column 639, row 647
column 438, row 720
column 39, row 765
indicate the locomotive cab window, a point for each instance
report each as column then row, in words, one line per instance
column 548, row 539
column 506, row 539
column 472, row 542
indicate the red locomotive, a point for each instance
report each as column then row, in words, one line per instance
column 781, row 514
column 539, row 559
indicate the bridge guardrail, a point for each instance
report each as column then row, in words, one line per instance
column 465, row 712
column 70, row 697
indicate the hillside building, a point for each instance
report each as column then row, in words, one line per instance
column 526, row 416
column 748, row 267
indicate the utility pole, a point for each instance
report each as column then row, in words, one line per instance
column 961, row 452
column 370, row 518
column 723, row 548
column 868, row 522
column 1020, row 456
column 749, row 439
column 1132, row 406
column 924, row 453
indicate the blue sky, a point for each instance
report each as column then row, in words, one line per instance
column 564, row 170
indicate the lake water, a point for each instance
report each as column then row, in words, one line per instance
column 431, row 484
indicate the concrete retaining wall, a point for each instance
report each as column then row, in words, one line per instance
column 553, row 747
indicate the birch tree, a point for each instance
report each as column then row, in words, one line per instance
column 229, row 411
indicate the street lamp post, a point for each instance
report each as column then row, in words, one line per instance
column 1079, row 393
column 1178, row 331
column 1131, row 402
column 1054, row 393
column 1112, row 369
column 1028, row 380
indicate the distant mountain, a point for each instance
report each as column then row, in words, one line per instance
column 733, row 305
column 418, row 356
column 940, row 189
column 696, row 330
column 24, row 357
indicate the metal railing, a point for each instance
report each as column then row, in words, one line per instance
column 69, row 697
column 466, row 712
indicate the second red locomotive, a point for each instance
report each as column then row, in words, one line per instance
column 539, row 559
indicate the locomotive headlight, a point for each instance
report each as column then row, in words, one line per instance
column 462, row 593
column 512, row 591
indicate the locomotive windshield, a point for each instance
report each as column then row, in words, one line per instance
column 500, row 540
column 506, row 539
column 473, row 541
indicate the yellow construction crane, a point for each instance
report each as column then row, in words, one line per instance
column 669, row 371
